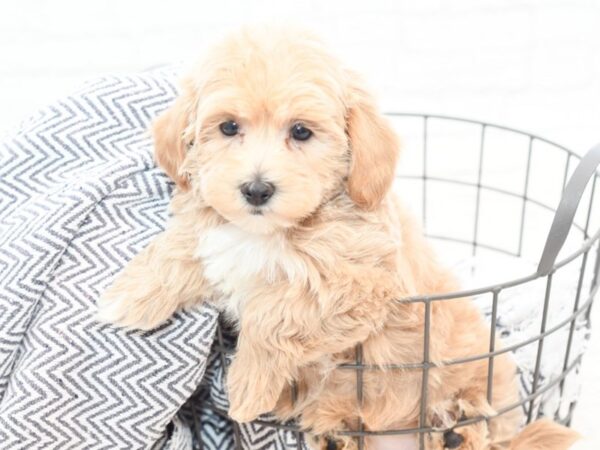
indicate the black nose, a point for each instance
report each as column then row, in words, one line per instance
column 331, row 444
column 452, row 439
column 257, row 192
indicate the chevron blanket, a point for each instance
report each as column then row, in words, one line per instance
column 79, row 197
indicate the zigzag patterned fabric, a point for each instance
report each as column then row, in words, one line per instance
column 79, row 197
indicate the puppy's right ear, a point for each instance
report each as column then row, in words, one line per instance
column 374, row 147
column 173, row 134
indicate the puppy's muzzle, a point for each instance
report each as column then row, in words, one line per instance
column 257, row 192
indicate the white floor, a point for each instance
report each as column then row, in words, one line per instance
column 534, row 65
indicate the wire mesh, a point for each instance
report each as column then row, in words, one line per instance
column 582, row 302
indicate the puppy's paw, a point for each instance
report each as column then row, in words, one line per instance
column 446, row 415
column 331, row 443
column 252, row 391
column 132, row 304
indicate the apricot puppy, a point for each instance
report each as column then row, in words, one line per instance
column 283, row 217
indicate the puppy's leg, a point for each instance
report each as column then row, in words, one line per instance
column 255, row 379
column 290, row 331
column 162, row 278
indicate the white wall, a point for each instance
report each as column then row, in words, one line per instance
column 533, row 64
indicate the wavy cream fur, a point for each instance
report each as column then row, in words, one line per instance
column 319, row 269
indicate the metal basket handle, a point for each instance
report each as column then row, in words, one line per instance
column 565, row 213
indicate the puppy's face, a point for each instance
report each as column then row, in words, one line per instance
column 269, row 127
column 270, row 137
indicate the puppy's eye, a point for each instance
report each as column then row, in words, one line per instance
column 300, row 132
column 229, row 128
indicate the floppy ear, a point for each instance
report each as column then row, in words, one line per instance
column 173, row 134
column 374, row 149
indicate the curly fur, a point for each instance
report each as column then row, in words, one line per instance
column 319, row 268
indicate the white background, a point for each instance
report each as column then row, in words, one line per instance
column 534, row 65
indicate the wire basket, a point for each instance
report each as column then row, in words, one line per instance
column 498, row 198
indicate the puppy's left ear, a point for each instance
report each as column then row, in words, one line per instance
column 374, row 148
column 173, row 134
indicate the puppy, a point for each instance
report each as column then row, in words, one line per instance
column 283, row 217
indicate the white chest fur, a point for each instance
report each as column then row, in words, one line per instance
column 235, row 261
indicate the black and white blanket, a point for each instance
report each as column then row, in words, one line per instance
column 79, row 197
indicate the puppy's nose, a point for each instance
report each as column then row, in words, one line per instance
column 257, row 192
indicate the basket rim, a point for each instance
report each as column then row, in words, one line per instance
column 497, row 287
column 484, row 123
